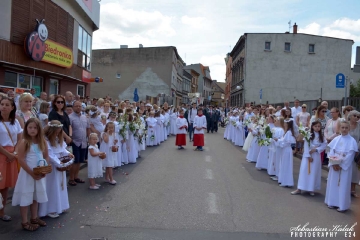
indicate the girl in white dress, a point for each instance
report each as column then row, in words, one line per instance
column 109, row 145
column 286, row 178
column 94, row 161
column 262, row 160
column 279, row 133
column 339, row 179
column 151, row 131
column 159, row 128
column 56, row 180
column 165, row 120
column 131, row 144
column 226, row 132
column 173, row 116
column 254, row 146
column 112, row 118
column 250, row 136
column 30, row 189
column 240, row 133
column 310, row 168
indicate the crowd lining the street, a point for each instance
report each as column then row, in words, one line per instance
column 55, row 135
column 271, row 136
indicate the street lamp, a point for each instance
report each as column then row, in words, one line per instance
column 238, row 87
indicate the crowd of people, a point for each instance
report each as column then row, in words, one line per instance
column 271, row 136
column 54, row 135
column 60, row 133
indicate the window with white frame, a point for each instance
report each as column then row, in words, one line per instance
column 84, row 45
column 287, row 47
column 268, row 46
column 18, row 80
column 311, row 48
column 80, row 90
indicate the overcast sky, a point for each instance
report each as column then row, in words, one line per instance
column 204, row 31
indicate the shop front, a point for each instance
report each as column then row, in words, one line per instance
column 47, row 50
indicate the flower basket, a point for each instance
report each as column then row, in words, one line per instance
column 63, row 169
column 102, row 156
column 42, row 170
column 335, row 160
column 114, row 148
column 65, row 159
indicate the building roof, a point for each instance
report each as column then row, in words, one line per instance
column 243, row 37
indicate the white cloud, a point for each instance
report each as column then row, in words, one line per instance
column 341, row 28
column 196, row 22
column 128, row 26
column 217, row 66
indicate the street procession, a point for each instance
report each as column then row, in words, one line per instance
column 173, row 120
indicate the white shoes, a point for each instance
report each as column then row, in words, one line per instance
column 113, row 182
column 53, row 215
column 94, row 187
column 274, row 178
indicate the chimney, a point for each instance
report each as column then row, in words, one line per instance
column 357, row 57
column 295, row 29
column 124, row 46
column 141, row 46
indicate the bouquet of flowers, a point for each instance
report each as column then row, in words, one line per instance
column 140, row 139
column 304, row 133
column 152, row 137
column 132, row 126
column 233, row 123
column 264, row 142
column 247, row 122
column 123, row 125
column 226, row 121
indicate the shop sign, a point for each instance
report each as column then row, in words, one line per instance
column 86, row 77
column 39, row 48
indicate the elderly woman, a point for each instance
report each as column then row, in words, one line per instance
column 332, row 128
column 353, row 118
column 25, row 112
column 58, row 113
column 100, row 104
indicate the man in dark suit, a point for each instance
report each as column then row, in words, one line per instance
column 210, row 119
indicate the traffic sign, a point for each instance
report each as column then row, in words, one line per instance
column 340, row 80
column 97, row 79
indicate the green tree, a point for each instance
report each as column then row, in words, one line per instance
column 355, row 89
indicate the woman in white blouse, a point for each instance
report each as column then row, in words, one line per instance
column 10, row 132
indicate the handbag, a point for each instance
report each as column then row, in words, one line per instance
column 12, row 141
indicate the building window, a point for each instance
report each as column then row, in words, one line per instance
column 118, row 75
column 10, row 79
column 288, row 47
column 268, row 46
column 54, row 86
column 311, row 48
column 84, row 45
column 80, row 90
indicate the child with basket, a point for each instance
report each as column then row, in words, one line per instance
column 94, row 161
column 62, row 160
column 30, row 187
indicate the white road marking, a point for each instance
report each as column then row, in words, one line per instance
column 209, row 174
column 208, row 159
column 211, row 200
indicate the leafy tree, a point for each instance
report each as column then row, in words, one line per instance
column 355, row 89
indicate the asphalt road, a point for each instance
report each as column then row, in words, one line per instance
column 172, row 194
